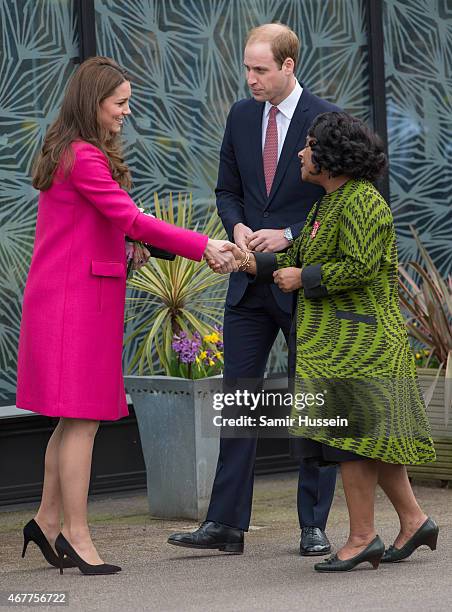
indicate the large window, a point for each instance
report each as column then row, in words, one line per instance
column 185, row 60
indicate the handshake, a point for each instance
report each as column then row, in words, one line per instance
column 224, row 257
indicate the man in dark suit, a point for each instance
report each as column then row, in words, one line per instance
column 263, row 205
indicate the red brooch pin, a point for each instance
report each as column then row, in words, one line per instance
column 315, row 228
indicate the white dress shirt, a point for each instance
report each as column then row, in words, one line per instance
column 286, row 110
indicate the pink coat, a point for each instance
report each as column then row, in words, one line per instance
column 70, row 347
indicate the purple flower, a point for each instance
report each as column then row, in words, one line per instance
column 185, row 347
column 178, row 340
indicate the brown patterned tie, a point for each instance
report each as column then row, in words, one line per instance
column 270, row 153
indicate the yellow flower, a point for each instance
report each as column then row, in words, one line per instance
column 203, row 354
column 418, row 355
column 198, row 360
column 426, row 352
column 218, row 355
column 213, row 337
column 211, row 362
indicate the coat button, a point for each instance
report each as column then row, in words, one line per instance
column 266, row 214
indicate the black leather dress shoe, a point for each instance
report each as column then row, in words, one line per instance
column 211, row 535
column 426, row 534
column 314, row 542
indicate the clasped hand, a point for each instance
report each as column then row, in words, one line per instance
column 138, row 253
column 262, row 241
column 267, row 241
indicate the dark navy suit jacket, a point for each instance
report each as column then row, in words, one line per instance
column 241, row 194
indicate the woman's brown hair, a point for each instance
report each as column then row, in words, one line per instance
column 95, row 80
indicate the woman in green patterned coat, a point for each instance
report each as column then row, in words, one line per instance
column 351, row 343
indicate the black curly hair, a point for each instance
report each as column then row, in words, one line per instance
column 345, row 145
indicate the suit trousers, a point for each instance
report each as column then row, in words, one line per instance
column 250, row 329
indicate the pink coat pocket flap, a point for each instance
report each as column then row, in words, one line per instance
column 108, row 268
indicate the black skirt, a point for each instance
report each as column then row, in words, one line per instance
column 317, row 453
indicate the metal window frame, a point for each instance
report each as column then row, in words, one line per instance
column 86, row 25
column 375, row 37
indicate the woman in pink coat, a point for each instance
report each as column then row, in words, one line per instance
column 69, row 363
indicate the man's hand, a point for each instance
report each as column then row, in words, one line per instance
column 241, row 233
column 288, row 279
column 268, row 241
column 219, row 260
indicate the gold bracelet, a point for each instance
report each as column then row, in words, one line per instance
column 245, row 263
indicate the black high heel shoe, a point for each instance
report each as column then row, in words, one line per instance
column 372, row 553
column 426, row 534
column 34, row 533
column 64, row 548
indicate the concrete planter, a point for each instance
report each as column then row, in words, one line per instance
column 180, row 444
column 442, row 435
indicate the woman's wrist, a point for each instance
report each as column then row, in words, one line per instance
column 247, row 263
column 244, row 263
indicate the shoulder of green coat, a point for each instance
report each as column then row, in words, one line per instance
column 366, row 204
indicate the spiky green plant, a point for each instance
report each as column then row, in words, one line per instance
column 178, row 295
column 429, row 302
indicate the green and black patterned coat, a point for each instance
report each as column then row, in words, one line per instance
column 351, row 341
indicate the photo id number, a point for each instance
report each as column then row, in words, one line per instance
column 11, row 598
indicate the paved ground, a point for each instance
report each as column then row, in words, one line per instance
column 269, row 576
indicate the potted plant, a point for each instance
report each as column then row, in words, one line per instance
column 427, row 298
column 177, row 308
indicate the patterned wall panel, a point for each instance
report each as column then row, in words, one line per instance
column 185, row 58
column 37, row 42
column 418, row 64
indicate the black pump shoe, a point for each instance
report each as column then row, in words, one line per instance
column 64, row 548
column 211, row 535
column 34, row 533
column 372, row 553
column 426, row 534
